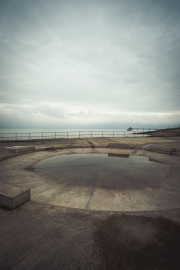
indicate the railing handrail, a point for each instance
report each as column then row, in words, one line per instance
column 15, row 136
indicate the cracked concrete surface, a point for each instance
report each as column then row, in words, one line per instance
column 141, row 231
column 45, row 189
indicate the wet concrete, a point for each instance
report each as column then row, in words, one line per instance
column 100, row 173
column 142, row 233
column 133, row 242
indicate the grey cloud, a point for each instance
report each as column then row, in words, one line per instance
column 51, row 111
column 20, row 116
column 91, row 55
column 34, row 116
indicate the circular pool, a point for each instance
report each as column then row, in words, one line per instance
column 92, row 181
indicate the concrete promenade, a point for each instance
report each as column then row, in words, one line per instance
column 133, row 229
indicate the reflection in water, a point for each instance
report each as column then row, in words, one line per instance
column 100, row 171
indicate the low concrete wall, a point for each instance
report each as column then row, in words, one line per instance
column 120, row 146
column 26, row 150
column 162, row 150
column 22, row 149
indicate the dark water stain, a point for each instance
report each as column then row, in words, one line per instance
column 137, row 242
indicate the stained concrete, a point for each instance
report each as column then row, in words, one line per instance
column 143, row 234
column 45, row 189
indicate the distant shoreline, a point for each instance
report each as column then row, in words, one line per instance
column 168, row 132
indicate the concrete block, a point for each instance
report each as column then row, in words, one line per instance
column 99, row 146
column 118, row 155
column 120, row 146
column 13, row 196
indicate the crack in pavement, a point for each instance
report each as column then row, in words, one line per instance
column 92, row 147
column 92, row 193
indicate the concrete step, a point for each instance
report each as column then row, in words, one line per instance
column 12, row 196
column 163, row 150
column 21, row 149
column 120, row 146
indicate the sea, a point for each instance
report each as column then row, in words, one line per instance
column 30, row 134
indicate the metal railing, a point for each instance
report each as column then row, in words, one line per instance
column 70, row 135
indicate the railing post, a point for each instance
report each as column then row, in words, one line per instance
column 124, row 133
column 102, row 134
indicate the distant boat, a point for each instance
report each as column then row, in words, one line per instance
column 130, row 129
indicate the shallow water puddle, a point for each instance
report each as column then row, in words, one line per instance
column 106, row 171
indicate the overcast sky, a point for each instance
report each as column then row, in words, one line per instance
column 89, row 63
